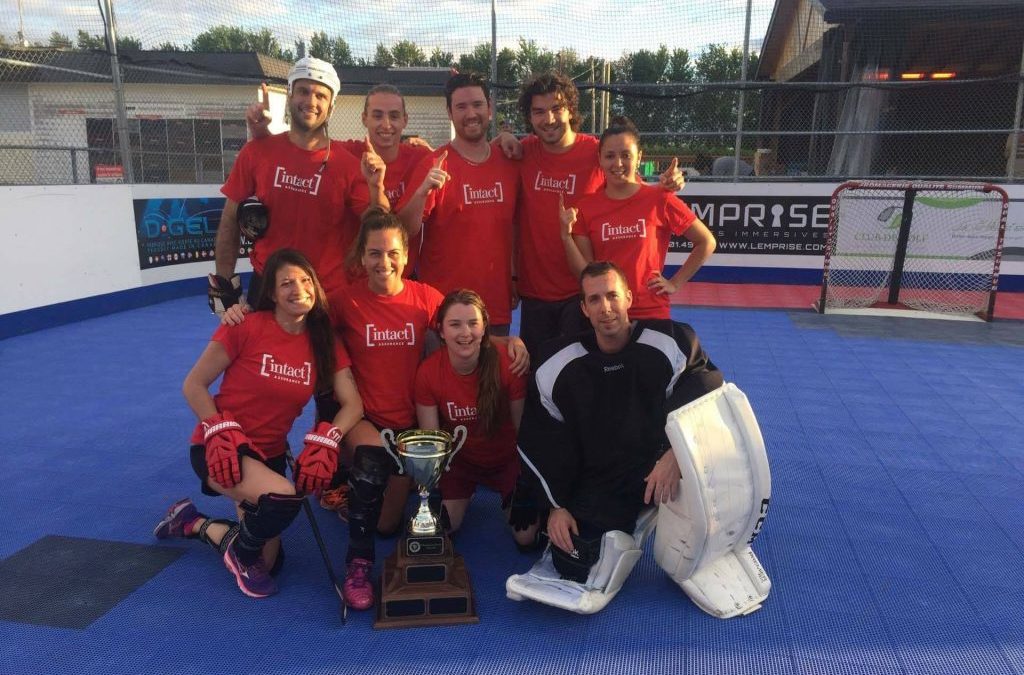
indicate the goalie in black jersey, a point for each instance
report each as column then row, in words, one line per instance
column 592, row 438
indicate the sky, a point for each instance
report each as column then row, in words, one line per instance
column 603, row 28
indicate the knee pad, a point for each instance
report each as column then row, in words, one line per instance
column 268, row 518
column 371, row 468
column 371, row 464
column 704, row 536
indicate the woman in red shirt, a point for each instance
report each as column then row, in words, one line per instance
column 469, row 382
column 272, row 364
column 385, row 321
column 630, row 223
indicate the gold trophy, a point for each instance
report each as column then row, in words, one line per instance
column 425, row 583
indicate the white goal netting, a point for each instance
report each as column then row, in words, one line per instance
column 925, row 246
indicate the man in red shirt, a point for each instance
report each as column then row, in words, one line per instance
column 385, row 118
column 556, row 161
column 309, row 185
column 465, row 203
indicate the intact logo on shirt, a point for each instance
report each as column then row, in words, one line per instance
column 610, row 232
column 389, row 337
column 461, row 413
column 395, row 193
column 295, row 182
column 544, row 183
column 284, row 372
column 482, row 195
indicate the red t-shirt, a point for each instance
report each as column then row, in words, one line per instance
column 270, row 378
column 384, row 335
column 634, row 234
column 467, row 228
column 437, row 384
column 543, row 271
column 396, row 182
column 310, row 209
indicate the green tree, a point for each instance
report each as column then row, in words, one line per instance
column 60, row 41
column 128, row 42
column 169, row 47
column 335, row 49
column 440, row 58
column 382, row 57
column 87, row 41
column 478, row 60
column 234, row 39
column 530, row 59
column 642, row 104
column 716, row 109
column 406, row 53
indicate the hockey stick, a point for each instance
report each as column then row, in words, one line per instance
column 342, row 607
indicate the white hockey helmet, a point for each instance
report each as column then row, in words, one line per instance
column 318, row 70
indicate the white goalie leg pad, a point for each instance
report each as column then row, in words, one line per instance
column 703, row 539
column 619, row 554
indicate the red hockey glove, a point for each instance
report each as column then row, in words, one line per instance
column 224, row 439
column 319, row 459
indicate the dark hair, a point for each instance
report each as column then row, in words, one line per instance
column 382, row 89
column 620, row 125
column 318, row 321
column 599, row 268
column 460, row 80
column 490, row 398
column 551, row 83
column 374, row 220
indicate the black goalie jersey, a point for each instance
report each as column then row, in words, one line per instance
column 594, row 423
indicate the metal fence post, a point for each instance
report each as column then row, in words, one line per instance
column 1014, row 140
column 740, row 108
column 124, row 143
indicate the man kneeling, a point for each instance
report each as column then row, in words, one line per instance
column 593, row 436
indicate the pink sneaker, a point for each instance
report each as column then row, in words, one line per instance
column 253, row 580
column 358, row 587
column 178, row 520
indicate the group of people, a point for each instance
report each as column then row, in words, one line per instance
column 361, row 299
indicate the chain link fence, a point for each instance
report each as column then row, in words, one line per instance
column 128, row 90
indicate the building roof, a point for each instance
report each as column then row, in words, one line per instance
column 221, row 68
column 839, row 11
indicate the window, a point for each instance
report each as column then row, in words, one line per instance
column 169, row 151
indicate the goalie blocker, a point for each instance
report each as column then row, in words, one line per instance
column 703, row 536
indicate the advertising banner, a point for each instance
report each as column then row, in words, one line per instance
column 761, row 224
column 177, row 231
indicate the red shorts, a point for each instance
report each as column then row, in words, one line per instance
column 461, row 481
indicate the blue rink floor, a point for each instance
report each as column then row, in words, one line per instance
column 894, row 540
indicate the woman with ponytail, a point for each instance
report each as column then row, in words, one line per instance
column 630, row 223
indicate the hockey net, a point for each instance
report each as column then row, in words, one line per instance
column 933, row 247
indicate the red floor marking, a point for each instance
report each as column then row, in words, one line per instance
column 788, row 296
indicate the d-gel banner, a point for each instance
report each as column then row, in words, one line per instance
column 176, row 231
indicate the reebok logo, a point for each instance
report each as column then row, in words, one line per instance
column 611, row 232
column 377, row 336
column 545, row 183
column 395, row 193
column 464, row 413
column 482, row 195
column 296, row 183
column 284, row 372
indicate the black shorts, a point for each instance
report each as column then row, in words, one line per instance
column 543, row 320
column 197, row 455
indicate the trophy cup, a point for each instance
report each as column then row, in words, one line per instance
column 424, row 583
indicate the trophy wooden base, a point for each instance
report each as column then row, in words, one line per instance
column 424, row 583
